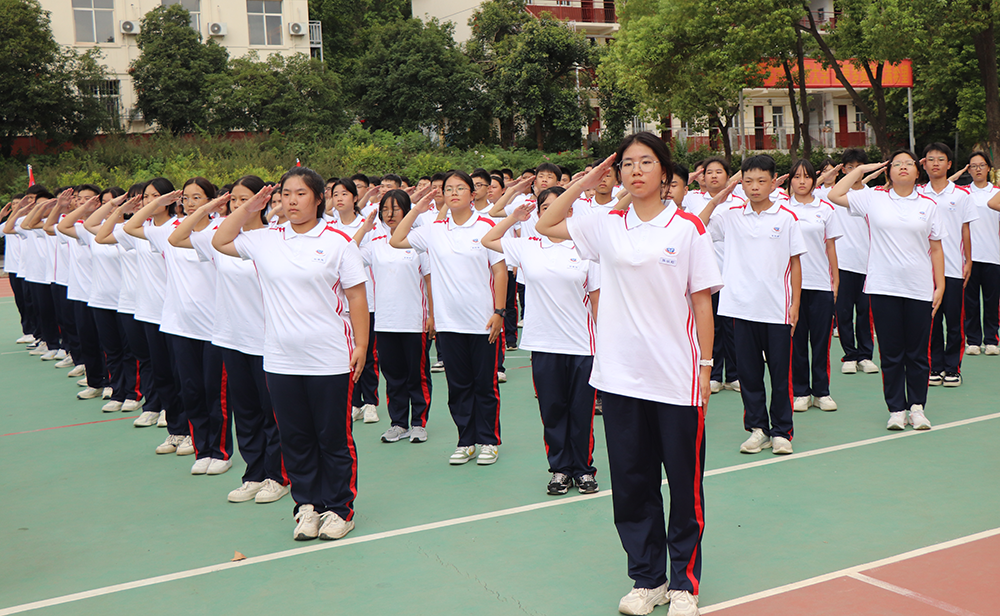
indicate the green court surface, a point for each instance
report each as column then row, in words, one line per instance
column 90, row 508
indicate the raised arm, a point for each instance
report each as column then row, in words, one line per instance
column 706, row 213
column 365, row 227
column 106, row 234
column 230, row 228
column 838, row 194
column 134, row 226
column 94, row 222
column 35, row 216
column 492, row 238
column 552, row 222
column 21, row 208
column 67, row 226
column 828, row 175
column 63, row 202
column 520, row 187
column 954, row 177
column 181, row 237
column 398, row 239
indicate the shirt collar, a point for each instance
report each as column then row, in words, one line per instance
column 950, row 188
column 775, row 206
column 913, row 195
column 972, row 187
column 815, row 202
column 547, row 243
column 314, row 232
column 661, row 220
column 468, row 223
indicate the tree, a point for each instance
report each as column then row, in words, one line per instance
column 346, row 25
column 412, row 76
column 176, row 76
column 45, row 91
column 297, row 94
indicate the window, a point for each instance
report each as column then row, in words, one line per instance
column 108, row 92
column 193, row 7
column 562, row 2
column 95, row 21
column 859, row 121
column 264, row 19
column 777, row 117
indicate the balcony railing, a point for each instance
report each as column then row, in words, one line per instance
column 581, row 11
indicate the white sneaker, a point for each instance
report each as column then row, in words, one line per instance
column 757, row 441
column 77, row 371
column 992, row 349
column 186, row 446
column 107, row 393
column 395, row 433
column 715, row 386
column 897, row 420
column 270, row 491
column 849, row 367
column 61, row 354
column 917, row 418
column 83, row 383
column 643, row 600
column 462, row 455
column 161, row 422
column 868, row 366
column 334, row 526
column 357, row 413
column 200, row 466
column 801, row 404
column 781, row 446
column 146, row 419
column 131, row 405
column 501, row 377
column 25, row 339
column 488, row 455
column 682, row 603
column 836, row 332
column 66, row 362
column 308, row 523
column 370, row 413
column 418, row 434
column 246, row 492
column 218, row 467
column 112, row 406
column 41, row 349
column 972, row 349
column 170, row 445
column 732, row 386
column 438, row 366
column 825, row 403
column 50, row 356
column 89, row 394
column 935, row 379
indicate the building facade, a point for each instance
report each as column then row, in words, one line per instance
column 241, row 26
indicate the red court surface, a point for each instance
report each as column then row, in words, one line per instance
column 5, row 288
column 957, row 580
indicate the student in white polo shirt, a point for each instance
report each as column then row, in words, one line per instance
column 652, row 365
column 604, row 199
column 469, row 285
column 905, row 281
column 188, row 319
column 677, row 189
column 559, row 331
column 348, row 220
column 854, row 323
column 763, row 277
column 481, row 181
column 404, row 323
column 714, row 176
column 820, row 278
column 983, row 320
column 957, row 210
column 12, row 260
column 315, row 336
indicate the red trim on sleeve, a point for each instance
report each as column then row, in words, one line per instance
column 688, row 216
column 781, row 207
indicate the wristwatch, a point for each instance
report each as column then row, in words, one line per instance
column 710, row 363
column 501, row 311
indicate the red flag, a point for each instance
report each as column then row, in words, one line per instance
column 31, row 177
column 297, row 163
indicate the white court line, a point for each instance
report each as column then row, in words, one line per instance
column 180, row 575
column 854, row 571
column 910, row 594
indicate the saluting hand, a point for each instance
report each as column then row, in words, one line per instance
column 523, row 212
column 257, row 202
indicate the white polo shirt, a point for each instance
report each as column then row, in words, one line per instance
column 818, row 223
column 853, row 245
column 695, row 201
column 463, row 278
column 11, row 252
column 955, row 207
column 239, row 307
column 757, row 269
column 189, row 299
column 62, row 264
column 151, row 280
column 985, row 230
column 558, row 316
column 527, row 227
column 398, row 282
column 130, row 273
column 302, row 279
column 899, row 263
column 32, row 265
column 647, row 343
column 51, row 248
column 81, row 277
column 106, row 273
column 349, row 231
column 585, row 206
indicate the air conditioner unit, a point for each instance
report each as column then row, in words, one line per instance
column 298, row 29
column 217, row 29
column 128, row 27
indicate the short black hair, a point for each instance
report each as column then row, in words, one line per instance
column 827, row 162
column 937, row 146
column 760, row 162
column 395, row 179
column 549, row 167
column 361, row 177
column 506, row 171
column 424, row 177
column 91, row 187
column 548, row 192
column 716, row 159
column 498, row 178
column 682, row 172
column 313, row 181
column 437, row 177
column 984, row 156
column 564, row 171
column 482, row 175
column 39, row 191
column 854, row 155
column 528, row 172
column 461, row 175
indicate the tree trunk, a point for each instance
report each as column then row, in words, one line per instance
column 724, row 134
column 807, row 144
column 794, row 149
column 538, row 133
column 986, row 53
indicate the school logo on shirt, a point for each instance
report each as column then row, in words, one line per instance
column 775, row 233
column 670, row 250
column 922, row 214
column 319, row 256
column 669, row 257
